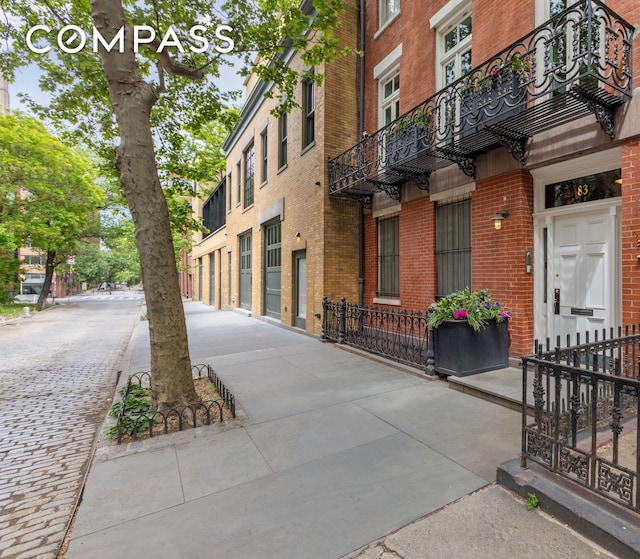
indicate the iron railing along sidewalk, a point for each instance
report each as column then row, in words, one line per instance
column 586, row 420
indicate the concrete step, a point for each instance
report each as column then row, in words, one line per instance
column 502, row 387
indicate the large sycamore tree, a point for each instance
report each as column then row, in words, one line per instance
column 146, row 85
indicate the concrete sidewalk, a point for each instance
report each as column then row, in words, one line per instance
column 333, row 455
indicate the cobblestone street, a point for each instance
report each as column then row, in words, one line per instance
column 57, row 378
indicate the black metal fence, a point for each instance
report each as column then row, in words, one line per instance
column 586, row 418
column 399, row 335
column 155, row 422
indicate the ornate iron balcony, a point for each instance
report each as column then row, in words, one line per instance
column 575, row 64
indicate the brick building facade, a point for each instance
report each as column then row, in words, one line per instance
column 278, row 242
column 557, row 146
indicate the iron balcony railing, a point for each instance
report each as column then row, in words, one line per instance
column 575, row 64
column 586, row 414
column 403, row 336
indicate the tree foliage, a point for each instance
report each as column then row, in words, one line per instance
column 112, row 259
column 47, row 192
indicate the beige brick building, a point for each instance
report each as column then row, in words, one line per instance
column 278, row 242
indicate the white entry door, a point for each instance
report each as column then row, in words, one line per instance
column 584, row 279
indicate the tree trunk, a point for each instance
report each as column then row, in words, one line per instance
column 48, row 278
column 132, row 100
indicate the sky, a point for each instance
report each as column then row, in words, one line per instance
column 27, row 82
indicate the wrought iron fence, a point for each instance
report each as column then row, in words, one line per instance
column 403, row 336
column 586, row 420
column 599, row 354
column 154, row 422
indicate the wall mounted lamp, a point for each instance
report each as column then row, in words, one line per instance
column 298, row 236
column 498, row 218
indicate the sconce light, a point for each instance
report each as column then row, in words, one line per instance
column 498, row 218
column 298, row 237
column 318, row 183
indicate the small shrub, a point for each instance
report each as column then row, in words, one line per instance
column 532, row 501
column 136, row 404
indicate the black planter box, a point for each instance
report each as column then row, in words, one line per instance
column 405, row 147
column 505, row 98
column 459, row 350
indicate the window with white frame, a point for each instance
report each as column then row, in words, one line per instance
column 388, row 9
column 455, row 49
column 389, row 99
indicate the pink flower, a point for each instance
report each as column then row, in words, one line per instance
column 460, row 314
column 505, row 314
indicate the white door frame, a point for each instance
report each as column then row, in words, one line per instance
column 544, row 218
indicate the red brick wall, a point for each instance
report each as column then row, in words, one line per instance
column 370, row 259
column 631, row 232
column 498, row 257
column 492, row 33
column 417, row 255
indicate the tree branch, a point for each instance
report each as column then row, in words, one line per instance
column 173, row 66
column 55, row 13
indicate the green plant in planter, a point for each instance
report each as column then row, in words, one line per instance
column 515, row 63
column 418, row 119
column 401, row 125
column 421, row 119
column 475, row 307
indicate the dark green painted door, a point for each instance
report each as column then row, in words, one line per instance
column 273, row 274
column 245, row 272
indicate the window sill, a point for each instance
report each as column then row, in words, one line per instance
column 263, row 183
column 387, row 301
column 307, row 148
column 282, row 168
column 386, row 24
column 249, row 207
